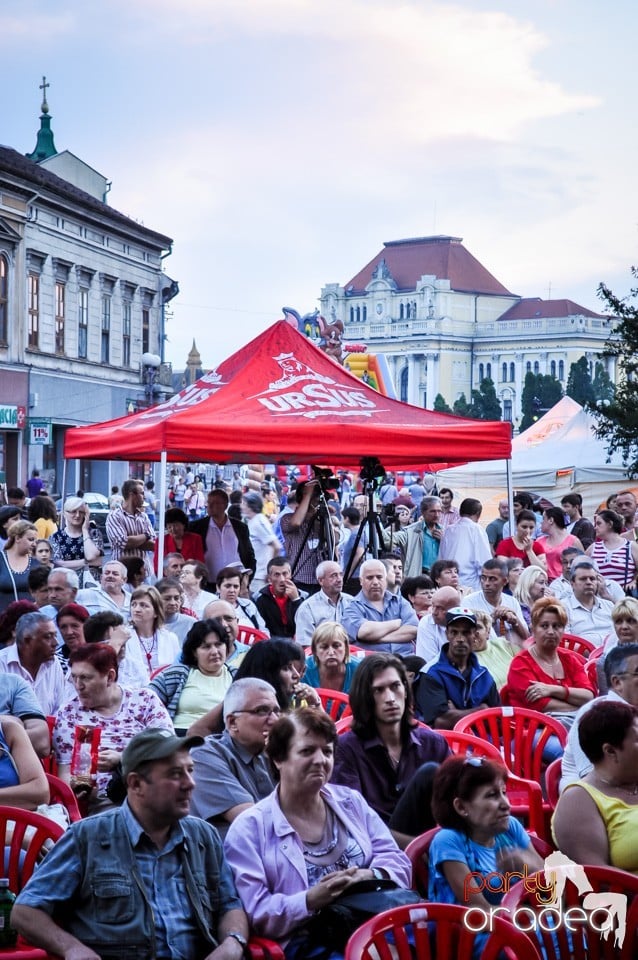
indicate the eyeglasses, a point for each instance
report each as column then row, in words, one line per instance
column 627, row 673
column 261, row 711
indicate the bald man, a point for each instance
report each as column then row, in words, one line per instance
column 377, row 619
column 224, row 611
column 431, row 634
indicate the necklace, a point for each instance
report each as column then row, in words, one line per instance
column 148, row 650
column 549, row 666
column 617, row 786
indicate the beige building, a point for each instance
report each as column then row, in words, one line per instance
column 444, row 322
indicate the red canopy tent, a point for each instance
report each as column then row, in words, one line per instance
column 281, row 399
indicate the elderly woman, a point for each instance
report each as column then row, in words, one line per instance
column 624, row 618
column 190, row 689
column 493, row 652
column 330, row 665
column 192, row 578
column 531, row 586
column 70, row 621
column 547, row 677
column 151, row 642
column 304, row 845
column 78, row 546
column 16, row 562
column 102, row 702
column 596, row 819
column 479, row 837
column 177, row 539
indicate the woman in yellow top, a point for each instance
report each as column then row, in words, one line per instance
column 596, row 819
column 43, row 516
column 495, row 653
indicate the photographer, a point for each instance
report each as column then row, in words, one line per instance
column 307, row 532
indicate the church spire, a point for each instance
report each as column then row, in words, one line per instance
column 45, row 146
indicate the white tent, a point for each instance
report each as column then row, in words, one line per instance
column 557, row 454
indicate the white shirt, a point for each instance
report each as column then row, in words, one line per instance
column 262, row 538
column 429, row 639
column 466, row 543
column 574, row 764
column 48, row 685
column 96, row 600
column 594, row 624
column 315, row 610
column 478, row 601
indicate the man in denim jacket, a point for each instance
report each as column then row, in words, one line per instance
column 144, row 881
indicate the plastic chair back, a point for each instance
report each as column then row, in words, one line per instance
column 552, row 781
column 60, row 792
column 334, row 702
column 250, row 635
column 585, row 941
column 49, row 763
column 26, row 838
column 570, row 641
column 521, row 735
column 591, row 669
column 435, row 931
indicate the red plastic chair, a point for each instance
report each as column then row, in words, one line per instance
column 158, row 670
column 418, row 851
column 346, row 722
column 584, row 942
column 570, row 641
column 525, row 796
column 434, row 931
column 334, row 702
column 61, row 793
column 250, row 635
column 26, row 837
column 49, row 763
column 591, row 669
column 514, row 730
column 261, row 949
column 552, row 781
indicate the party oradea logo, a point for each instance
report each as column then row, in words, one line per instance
column 601, row 912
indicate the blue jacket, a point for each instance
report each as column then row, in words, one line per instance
column 444, row 682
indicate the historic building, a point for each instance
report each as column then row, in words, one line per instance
column 82, row 297
column 444, row 322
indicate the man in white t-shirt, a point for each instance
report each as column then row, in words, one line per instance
column 262, row 536
column 505, row 611
column 431, row 633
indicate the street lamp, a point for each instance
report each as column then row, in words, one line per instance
column 150, row 375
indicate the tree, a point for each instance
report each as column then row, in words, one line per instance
column 485, row 403
column 579, row 383
column 461, row 407
column 618, row 417
column 603, row 387
column 440, row 405
column 540, row 393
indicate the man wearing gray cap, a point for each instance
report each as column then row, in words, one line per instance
column 457, row 684
column 143, row 882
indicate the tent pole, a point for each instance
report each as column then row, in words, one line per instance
column 162, row 510
column 510, row 495
column 63, row 492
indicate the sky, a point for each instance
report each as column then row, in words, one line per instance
column 281, row 142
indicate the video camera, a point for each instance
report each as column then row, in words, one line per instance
column 372, row 471
column 324, row 478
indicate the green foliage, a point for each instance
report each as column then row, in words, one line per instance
column 603, row 387
column 484, row 404
column 579, row 383
column 618, row 417
column 461, row 407
column 540, row 393
column 440, row 405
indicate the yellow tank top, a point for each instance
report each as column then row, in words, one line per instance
column 621, row 822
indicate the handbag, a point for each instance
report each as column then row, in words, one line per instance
column 334, row 925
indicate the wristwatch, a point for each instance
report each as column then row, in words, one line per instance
column 241, row 940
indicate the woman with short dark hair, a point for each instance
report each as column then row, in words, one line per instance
column 297, row 850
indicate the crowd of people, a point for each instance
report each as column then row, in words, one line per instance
column 220, row 799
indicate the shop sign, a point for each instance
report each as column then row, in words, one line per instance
column 40, row 432
column 11, row 417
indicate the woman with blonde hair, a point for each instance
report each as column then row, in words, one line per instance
column 17, row 560
column 330, row 666
column 151, row 643
column 493, row 652
column 531, row 586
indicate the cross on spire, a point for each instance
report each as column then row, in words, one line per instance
column 43, row 86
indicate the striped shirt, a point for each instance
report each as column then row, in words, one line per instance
column 615, row 565
column 120, row 525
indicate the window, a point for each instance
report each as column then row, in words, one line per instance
column 537, row 367
column 481, row 372
column 552, row 368
column 561, row 369
column 105, row 336
column 488, row 371
column 358, row 314
column 528, row 367
column 146, row 331
column 83, row 323
column 507, row 410
column 401, row 311
column 60, row 314
column 126, row 334
column 403, row 385
column 34, row 311
column 504, row 373
column 351, row 314
column 365, row 313
column 4, row 298
column 512, row 372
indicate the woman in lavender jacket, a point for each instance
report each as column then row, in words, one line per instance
column 305, row 844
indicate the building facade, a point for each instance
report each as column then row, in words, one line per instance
column 82, row 297
column 444, row 322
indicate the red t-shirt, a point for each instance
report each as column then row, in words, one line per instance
column 507, row 548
